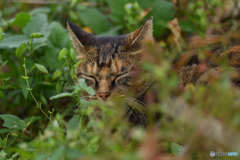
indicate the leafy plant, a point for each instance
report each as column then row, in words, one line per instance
column 38, row 66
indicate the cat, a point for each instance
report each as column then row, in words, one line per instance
column 109, row 64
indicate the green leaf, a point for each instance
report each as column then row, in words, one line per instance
column 2, row 95
column 76, row 65
column 56, row 74
column 72, row 15
column 77, row 89
column 40, row 10
column 3, row 142
column 25, row 77
column 23, row 85
column 13, row 93
column 62, row 53
column 35, row 118
column 90, row 90
column 13, row 41
column 59, row 86
column 176, row 148
column 21, row 19
column 145, row 4
column 73, row 153
column 73, row 55
column 58, row 36
column 41, row 68
column 11, row 121
column 51, row 60
column 1, row 61
column 21, row 50
column 4, row 131
column 117, row 10
column 58, row 153
column 43, row 100
column 73, row 3
column 73, row 123
column 4, row 63
column 36, row 35
column 94, row 19
column 163, row 11
column 1, row 34
column 13, row 156
column 38, row 24
column 82, row 84
column 186, row 26
column 61, row 95
column 117, row 6
column 38, row 45
column 2, row 155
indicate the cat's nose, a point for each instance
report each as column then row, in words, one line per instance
column 104, row 95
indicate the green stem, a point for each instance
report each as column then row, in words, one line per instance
column 64, row 64
column 31, row 49
column 71, row 74
column 22, row 135
column 5, row 143
column 30, row 90
column 26, row 128
column 45, row 114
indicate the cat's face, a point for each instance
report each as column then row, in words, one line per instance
column 109, row 62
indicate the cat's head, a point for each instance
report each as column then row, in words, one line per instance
column 109, row 61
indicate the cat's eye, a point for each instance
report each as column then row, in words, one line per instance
column 91, row 77
column 90, row 80
column 119, row 77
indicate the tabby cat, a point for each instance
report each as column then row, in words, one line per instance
column 109, row 64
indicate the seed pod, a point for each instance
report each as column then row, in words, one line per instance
column 36, row 35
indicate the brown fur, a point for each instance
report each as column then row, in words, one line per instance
column 192, row 72
column 110, row 67
column 108, row 64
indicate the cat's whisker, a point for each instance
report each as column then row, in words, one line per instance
column 135, row 103
column 137, row 107
column 77, row 107
column 139, row 104
column 124, row 107
column 83, row 104
column 86, row 98
column 138, row 101
column 82, row 97
column 142, row 106
column 131, row 111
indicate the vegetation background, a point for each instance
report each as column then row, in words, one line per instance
column 37, row 63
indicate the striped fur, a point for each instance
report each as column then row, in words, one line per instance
column 109, row 63
column 192, row 72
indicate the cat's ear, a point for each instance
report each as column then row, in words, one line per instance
column 80, row 39
column 144, row 33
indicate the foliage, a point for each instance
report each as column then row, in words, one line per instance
column 37, row 77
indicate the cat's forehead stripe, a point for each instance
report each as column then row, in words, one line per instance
column 95, row 68
column 104, row 73
column 114, row 66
